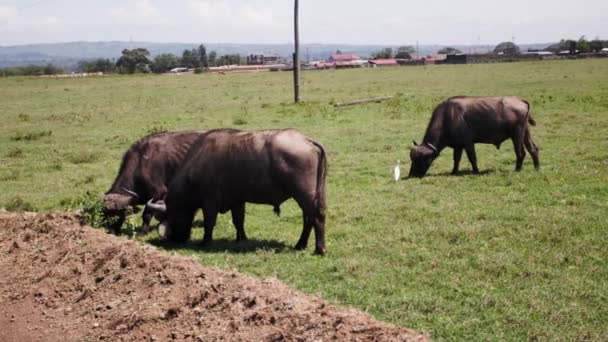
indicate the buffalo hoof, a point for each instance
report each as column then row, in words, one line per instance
column 241, row 239
column 206, row 242
column 162, row 231
column 320, row 251
column 300, row 247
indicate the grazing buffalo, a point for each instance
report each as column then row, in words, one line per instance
column 460, row 122
column 145, row 172
column 226, row 168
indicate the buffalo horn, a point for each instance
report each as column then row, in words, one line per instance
column 159, row 206
column 415, row 143
column 432, row 147
column 131, row 192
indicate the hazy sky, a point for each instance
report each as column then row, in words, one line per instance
column 390, row 22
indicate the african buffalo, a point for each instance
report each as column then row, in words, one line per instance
column 145, row 172
column 226, row 168
column 460, row 122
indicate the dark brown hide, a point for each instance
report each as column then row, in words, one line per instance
column 146, row 170
column 461, row 122
column 227, row 168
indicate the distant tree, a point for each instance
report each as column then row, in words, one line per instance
column 202, row 52
column 32, row 70
column 596, row 45
column 165, row 62
column 571, row 46
column 508, row 48
column 212, row 59
column 97, row 65
column 132, row 61
column 405, row 52
column 383, row 54
column 563, row 45
column 338, row 52
column 582, row 45
column 232, row 59
column 449, row 51
column 191, row 58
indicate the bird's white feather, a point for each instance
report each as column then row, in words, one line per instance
column 397, row 172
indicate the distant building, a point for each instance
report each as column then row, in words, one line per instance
column 456, row 59
column 343, row 58
column 346, row 61
column 381, row 63
column 263, row 59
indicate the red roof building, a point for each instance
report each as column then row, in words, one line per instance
column 383, row 62
column 343, row 58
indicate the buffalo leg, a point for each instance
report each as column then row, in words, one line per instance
column 314, row 216
column 116, row 224
column 457, row 156
column 146, row 217
column 470, row 149
column 238, row 219
column 210, row 216
column 532, row 149
column 307, row 227
column 520, row 153
column 319, row 224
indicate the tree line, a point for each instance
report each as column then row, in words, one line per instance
column 139, row 60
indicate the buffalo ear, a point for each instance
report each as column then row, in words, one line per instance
column 415, row 143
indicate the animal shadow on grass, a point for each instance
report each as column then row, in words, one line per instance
column 224, row 245
column 459, row 174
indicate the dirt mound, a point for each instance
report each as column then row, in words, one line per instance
column 60, row 280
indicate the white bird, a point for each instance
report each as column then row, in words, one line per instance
column 397, row 172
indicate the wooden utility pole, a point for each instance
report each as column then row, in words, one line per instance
column 296, row 55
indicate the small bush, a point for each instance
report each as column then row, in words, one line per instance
column 17, row 204
column 91, row 211
column 24, row 117
column 90, row 208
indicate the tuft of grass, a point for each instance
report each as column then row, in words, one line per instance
column 12, row 175
column 239, row 121
column 14, row 152
column 83, row 157
column 157, row 129
column 18, row 204
column 30, row 136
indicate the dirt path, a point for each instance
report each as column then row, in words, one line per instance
column 60, row 281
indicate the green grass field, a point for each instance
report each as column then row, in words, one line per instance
column 496, row 256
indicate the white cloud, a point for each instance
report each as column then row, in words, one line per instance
column 233, row 14
column 143, row 12
column 7, row 12
column 12, row 21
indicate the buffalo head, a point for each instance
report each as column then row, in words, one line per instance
column 175, row 225
column 422, row 157
column 115, row 210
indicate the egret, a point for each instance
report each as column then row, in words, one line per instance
column 397, row 172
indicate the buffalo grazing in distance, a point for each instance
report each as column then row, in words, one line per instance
column 461, row 122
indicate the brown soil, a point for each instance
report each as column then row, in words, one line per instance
column 61, row 281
